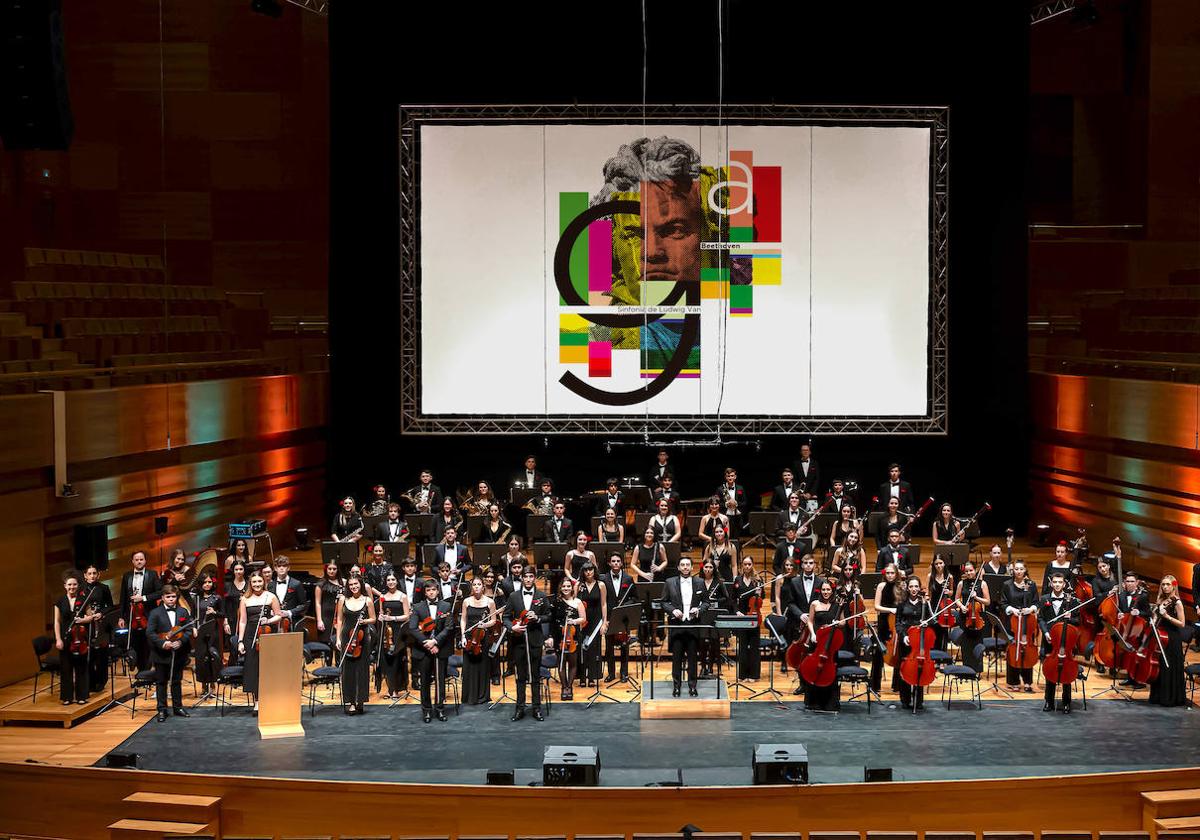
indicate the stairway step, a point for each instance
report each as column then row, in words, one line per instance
column 1177, row 823
column 175, row 806
column 1183, row 802
column 131, row 829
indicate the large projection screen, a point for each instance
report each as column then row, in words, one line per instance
column 777, row 270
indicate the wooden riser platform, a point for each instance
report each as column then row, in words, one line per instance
column 48, row 708
column 712, row 703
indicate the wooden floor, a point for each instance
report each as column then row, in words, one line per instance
column 87, row 742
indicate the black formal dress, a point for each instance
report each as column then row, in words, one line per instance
column 73, row 676
column 1019, row 598
column 907, row 615
column 393, row 647
column 646, row 557
column 476, row 669
column 589, row 660
column 887, row 598
column 356, row 670
column 1169, row 689
column 330, row 592
column 211, row 629
column 250, row 661
column 749, row 655
column 101, row 637
column 722, row 556
column 713, row 596
column 936, row 590
column 823, row 698
column 971, row 637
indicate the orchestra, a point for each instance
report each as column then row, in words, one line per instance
column 396, row 627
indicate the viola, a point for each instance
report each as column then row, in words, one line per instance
column 972, row 617
column 856, row 612
column 137, row 615
column 79, row 639
column 945, row 617
column 918, row 667
column 819, row 668
column 1059, row 665
column 1022, row 651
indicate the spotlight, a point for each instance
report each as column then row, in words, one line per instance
column 302, row 543
column 270, row 8
column 1043, row 534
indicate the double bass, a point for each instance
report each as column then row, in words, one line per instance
column 1148, row 655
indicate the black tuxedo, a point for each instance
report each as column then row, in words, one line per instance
column 658, row 471
column 907, row 502
column 551, row 532
column 168, row 664
column 672, row 497
column 1046, row 619
column 464, row 556
column 738, row 493
column 520, row 478
column 899, row 555
column 526, row 648
column 618, row 592
column 604, row 501
column 294, row 601
column 784, row 550
column 383, row 531
column 151, row 587
column 683, row 640
column 779, row 499
column 418, row 593
column 812, row 481
column 435, row 496
column 799, row 599
column 432, row 668
column 786, row 518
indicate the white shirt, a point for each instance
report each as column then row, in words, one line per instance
column 529, row 478
column 433, row 610
column 804, row 468
column 394, row 527
column 808, row 586
column 528, row 596
column 894, row 492
column 685, row 595
column 171, row 616
column 409, row 584
column 137, row 582
column 281, row 589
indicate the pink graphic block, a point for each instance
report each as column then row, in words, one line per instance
column 600, row 358
column 600, row 256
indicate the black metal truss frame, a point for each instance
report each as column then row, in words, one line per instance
column 413, row 421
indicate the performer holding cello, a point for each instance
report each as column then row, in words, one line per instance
column 917, row 669
column 1059, row 622
column 1020, row 598
column 887, row 597
column 818, row 671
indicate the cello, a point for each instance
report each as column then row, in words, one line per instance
column 1022, row 651
column 1145, row 660
column 918, row 668
column 1062, row 641
column 819, row 668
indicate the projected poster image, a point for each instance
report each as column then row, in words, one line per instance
column 628, row 270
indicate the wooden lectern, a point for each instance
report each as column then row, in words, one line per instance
column 280, row 668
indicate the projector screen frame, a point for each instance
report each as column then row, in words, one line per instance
column 635, row 422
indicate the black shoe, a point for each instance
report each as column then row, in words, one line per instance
column 609, row 678
column 1048, row 706
column 1137, row 685
column 1100, row 669
column 518, row 714
column 1126, row 681
column 675, row 690
column 797, row 690
column 920, row 706
column 1066, row 709
column 162, row 715
column 495, row 681
column 906, row 706
column 425, row 716
column 537, row 714
column 441, row 715
column 181, row 712
column 692, row 692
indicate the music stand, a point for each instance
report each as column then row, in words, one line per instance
column 474, row 524
column 641, row 521
column 343, row 553
column 873, row 520
column 868, row 582
column 620, row 620
column 780, row 647
column 648, row 594
column 737, row 623
column 913, row 552
column 518, row 496
column 955, row 555
column 492, row 555
column 636, row 496
column 547, row 558
column 420, row 527
column 763, row 522
column 1000, row 631
column 395, row 552
column 535, row 524
column 369, row 523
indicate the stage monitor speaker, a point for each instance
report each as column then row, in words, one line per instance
column 877, row 774
column 91, row 546
column 500, row 777
column 573, row 766
column 35, row 109
column 126, row 760
column 160, row 526
column 780, row 764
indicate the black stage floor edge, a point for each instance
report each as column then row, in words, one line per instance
column 1004, row 739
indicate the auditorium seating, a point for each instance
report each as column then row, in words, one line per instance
column 1079, row 834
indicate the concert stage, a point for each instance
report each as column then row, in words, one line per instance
column 1003, row 740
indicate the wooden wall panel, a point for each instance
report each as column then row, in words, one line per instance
column 1113, row 803
column 27, row 423
column 1121, row 458
column 27, row 605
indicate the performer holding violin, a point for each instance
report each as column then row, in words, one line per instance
column 1058, row 619
column 73, row 618
column 568, row 619
column 523, row 615
column 99, row 595
column 1020, row 600
column 355, row 615
column 170, row 628
column 592, row 591
column 393, row 615
column 712, row 597
column 747, row 592
column 940, row 586
column 819, row 668
column 258, row 609
column 971, row 597
column 210, row 615
column 1168, row 689
column 917, row 669
column 139, row 592
column 477, row 621
column 432, row 628
column 888, row 595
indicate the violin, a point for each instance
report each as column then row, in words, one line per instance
column 856, row 610
column 918, row 667
column 137, row 615
column 972, row 617
column 177, row 632
column 356, row 641
column 819, row 668
column 79, row 638
column 945, row 618
column 427, row 625
column 570, row 639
